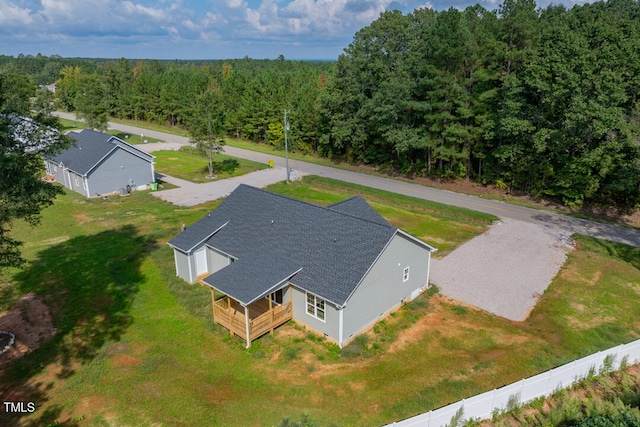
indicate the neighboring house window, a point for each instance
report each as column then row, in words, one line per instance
column 77, row 180
column 55, row 168
column 405, row 274
column 84, row 183
column 315, row 307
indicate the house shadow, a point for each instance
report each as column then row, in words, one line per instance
column 89, row 284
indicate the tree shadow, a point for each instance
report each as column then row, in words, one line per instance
column 626, row 253
column 570, row 225
column 88, row 283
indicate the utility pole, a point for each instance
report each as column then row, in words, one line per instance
column 286, row 145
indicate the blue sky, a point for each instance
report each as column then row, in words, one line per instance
column 190, row 29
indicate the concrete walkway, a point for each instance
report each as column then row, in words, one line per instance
column 191, row 194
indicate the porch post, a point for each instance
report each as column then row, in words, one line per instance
column 213, row 303
column 271, row 311
column 246, row 324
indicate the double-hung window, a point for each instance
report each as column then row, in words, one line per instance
column 315, row 307
column 405, row 274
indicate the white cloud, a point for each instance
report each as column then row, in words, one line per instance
column 14, row 16
column 316, row 18
column 235, row 3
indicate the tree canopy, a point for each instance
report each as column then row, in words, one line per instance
column 23, row 141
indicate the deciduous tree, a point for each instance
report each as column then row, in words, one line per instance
column 23, row 141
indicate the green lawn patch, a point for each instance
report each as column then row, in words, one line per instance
column 191, row 165
column 137, row 346
column 133, row 138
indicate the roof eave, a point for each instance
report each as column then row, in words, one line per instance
column 418, row 241
column 207, row 237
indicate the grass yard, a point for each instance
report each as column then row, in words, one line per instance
column 191, row 165
column 137, row 346
column 133, row 138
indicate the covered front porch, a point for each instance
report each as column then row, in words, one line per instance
column 254, row 320
column 257, row 294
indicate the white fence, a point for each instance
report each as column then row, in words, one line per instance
column 484, row 405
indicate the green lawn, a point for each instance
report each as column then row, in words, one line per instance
column 133, row 138
column 190, row 165
column 137, row 346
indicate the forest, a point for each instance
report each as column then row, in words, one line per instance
column 541, row 101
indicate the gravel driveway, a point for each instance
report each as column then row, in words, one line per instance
column 504, row 270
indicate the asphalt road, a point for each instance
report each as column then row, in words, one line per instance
column 565, row 224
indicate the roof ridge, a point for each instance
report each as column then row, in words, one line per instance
column 326, row 208
column 127, row 146
column 345, row 200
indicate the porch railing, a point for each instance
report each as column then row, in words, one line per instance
column 231, row 315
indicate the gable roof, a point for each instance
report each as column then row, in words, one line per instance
column 358, row 207
column 269, row 232
column 91, row 148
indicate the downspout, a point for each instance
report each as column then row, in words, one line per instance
column 428, row 269
column 246, row 324
column 175, row 261
column 190, row 269
column 340, row 326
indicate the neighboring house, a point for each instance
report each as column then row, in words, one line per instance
column 336, row 269
column 101, row 164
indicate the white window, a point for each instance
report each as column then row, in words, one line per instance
column 405, row 274
column 77, row 179
column 315, row 307
column 55, row 168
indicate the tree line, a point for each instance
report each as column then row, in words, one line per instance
column 543, row 101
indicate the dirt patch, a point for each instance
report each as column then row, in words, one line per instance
column 30, row 321
column 414, row 333
column 126, row 360
column 585, row 317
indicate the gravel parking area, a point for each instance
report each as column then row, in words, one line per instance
column 504, row 270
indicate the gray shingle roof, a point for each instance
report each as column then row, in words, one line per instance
column 254, row 276
column 333, row 249
column 358, row 207
column 90, row 148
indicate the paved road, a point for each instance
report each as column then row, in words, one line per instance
column 505, row 210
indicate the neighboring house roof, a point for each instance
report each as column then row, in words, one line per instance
column 31, row 136
column 327, row 250
column 91, row 148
